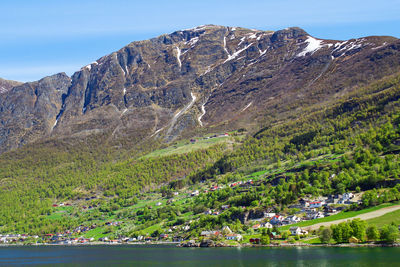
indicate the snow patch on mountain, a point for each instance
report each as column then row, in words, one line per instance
column 89, row 67
column 203, row 112
column 312, row 46
column 226, row 50
column 342, row 47
column 193, row 41
column 54, row 125
column 246, row 107
column 234, row 55
column 178, row 56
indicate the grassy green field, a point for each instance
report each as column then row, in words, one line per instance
column 312, row 241
column 339, row 216
column 95, row 233
column 386, row 219
column 186, row 147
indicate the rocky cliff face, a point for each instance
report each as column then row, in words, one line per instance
column 209, row 76
column 28, row 111
column 6, row 85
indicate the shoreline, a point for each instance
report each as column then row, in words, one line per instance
column 182, row 245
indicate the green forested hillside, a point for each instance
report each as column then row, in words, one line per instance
column 347, row 145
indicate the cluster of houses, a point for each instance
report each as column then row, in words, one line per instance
column 311, row 209
column 15, row 238
column 247, row 183
column 225, row 232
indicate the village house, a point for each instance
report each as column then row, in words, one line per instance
column 233, row 236
column 255, row 240
column 256, row 226
column 208, row 212
column 195, row 193
column 213, row 188
column 226, row 230
column 315, row 204
column 329, row 209
column 269, row 214
column 295, row 230
column 209, row 233
column 163, row 236
column 317, row 215
column 267, row 225
column 348, row 195
column 276, row 220
column 291, row 219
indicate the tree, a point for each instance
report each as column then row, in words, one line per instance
column 389, row 233
column 325, row 235
column 358, row 227
column 341, row 232
column 265, row 240
column 372, row 233
column 285, row 234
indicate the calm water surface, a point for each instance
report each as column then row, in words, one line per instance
column 173, row 256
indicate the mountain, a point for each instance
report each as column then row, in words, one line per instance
column 6, row 85
column 198, row 80
column 200, row 129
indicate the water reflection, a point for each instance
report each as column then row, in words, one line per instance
column 173, row 256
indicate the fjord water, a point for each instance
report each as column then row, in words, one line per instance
column 172, row 256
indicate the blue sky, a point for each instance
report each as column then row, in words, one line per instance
column 43, row 37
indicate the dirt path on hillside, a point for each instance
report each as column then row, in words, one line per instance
column 365, row 216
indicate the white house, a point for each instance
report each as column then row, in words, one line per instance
column 315, row 204
column 267, row 225
column 318, row 215
column 347, row 196
column 295, row 230
column 237, row 237
column 292, row 219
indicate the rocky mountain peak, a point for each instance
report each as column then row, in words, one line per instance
column 6, row 85
column 208, row 77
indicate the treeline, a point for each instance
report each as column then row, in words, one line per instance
column 356, row 231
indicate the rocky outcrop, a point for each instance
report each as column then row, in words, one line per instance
column 6, row 85
column 209, row 76
column 29, row 111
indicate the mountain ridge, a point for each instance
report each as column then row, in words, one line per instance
column 208, row 76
